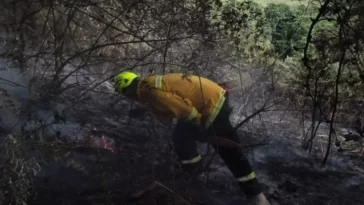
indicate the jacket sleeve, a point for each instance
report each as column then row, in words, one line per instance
column 175, row 106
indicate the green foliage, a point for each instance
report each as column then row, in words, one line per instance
column 288, row 31
column 338, row 31
column 243, row 25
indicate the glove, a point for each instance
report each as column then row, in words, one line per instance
column 138, row 113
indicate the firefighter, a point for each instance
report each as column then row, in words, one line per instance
column 202, row 111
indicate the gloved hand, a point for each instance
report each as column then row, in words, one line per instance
column 138, row 113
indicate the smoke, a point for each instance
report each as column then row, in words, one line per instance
column 14, row 96
column 21, row 106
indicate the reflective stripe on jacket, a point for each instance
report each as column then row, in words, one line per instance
column 185, row 97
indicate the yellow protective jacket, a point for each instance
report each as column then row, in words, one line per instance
column 181, row 96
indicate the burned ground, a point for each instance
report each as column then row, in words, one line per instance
column 138, row 153
column 66, row 138
column 93, row 153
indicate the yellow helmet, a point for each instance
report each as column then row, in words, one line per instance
column 124, row 80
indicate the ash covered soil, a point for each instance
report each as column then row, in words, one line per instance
column 123, row 156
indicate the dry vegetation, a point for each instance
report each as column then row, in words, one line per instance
column 59, row 56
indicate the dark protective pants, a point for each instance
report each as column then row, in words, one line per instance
column 186, row 135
